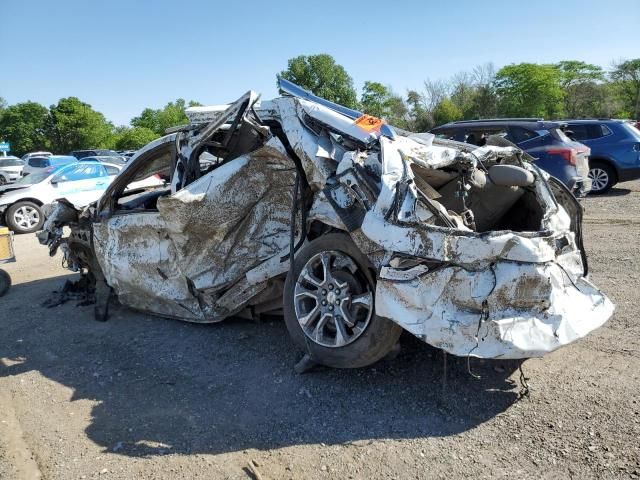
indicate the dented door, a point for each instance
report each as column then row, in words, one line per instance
column 204, row 238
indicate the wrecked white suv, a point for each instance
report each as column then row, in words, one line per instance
column 473, row 250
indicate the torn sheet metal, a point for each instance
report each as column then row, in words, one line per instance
column 507, row 310
column 476, row 251
column 202, row 239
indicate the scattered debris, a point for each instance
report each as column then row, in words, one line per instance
column 82, row 290
column 253, row 471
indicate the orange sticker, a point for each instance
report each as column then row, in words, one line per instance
column 369, row 123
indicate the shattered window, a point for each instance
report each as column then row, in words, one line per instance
column 159, row 164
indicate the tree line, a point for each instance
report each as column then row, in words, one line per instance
column 567, row 89
column 72, row 124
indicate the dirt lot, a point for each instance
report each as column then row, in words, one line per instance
column 145, row 397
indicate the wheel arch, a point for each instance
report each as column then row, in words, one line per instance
column 32, row 200
column 28, row 199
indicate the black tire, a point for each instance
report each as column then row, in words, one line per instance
column 3, row 181
column 35, row 213
column 5, row 282
column 603, row 176
column 376, row 339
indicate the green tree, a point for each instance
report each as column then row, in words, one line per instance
column 321, row 75
column 529, row 90
column 23, row 126
column 626, row 76
column 581, row 84
column 75, row 125
column 398, row 112
column 133, row 138
column 463, row 94
column 484, row 101
column 419, row 118
column 381, row 102
column 446, row 111
column 375, row 99
column 159, row 120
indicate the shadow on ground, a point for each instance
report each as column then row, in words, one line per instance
column 169, row 387
column 614, row 192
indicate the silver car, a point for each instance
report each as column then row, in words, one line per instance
column 10, row 169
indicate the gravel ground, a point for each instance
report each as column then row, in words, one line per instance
column 144, row 397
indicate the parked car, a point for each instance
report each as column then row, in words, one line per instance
column 41, row 164
column 27, row 156
column 615, row 150
column 10, row 169
column 471, row 249
column 127, row 154
column 80, row 154
column 119, row 159
column 80, row 183
column 554, row 152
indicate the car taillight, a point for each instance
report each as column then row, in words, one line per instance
column 570, row 155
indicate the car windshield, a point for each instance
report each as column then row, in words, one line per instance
column 33, row 178
column 635, row 133
column 11, row 162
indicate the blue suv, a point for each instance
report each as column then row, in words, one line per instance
column 615, row 150
column 560, row 156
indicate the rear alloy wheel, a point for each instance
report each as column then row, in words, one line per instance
column 329, row 305
column 24, row 217
column 602, row 176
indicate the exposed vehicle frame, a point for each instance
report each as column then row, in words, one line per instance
column 474, row 250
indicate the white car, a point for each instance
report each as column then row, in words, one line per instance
column 10, row 169
column 80, row 183
column 27, row 156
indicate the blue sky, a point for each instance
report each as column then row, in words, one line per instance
column 124, row 55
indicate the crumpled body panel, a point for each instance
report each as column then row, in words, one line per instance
column 508, row 310
column 202, row 239
column 476, row 251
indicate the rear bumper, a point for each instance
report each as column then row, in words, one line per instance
column 504, row 311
